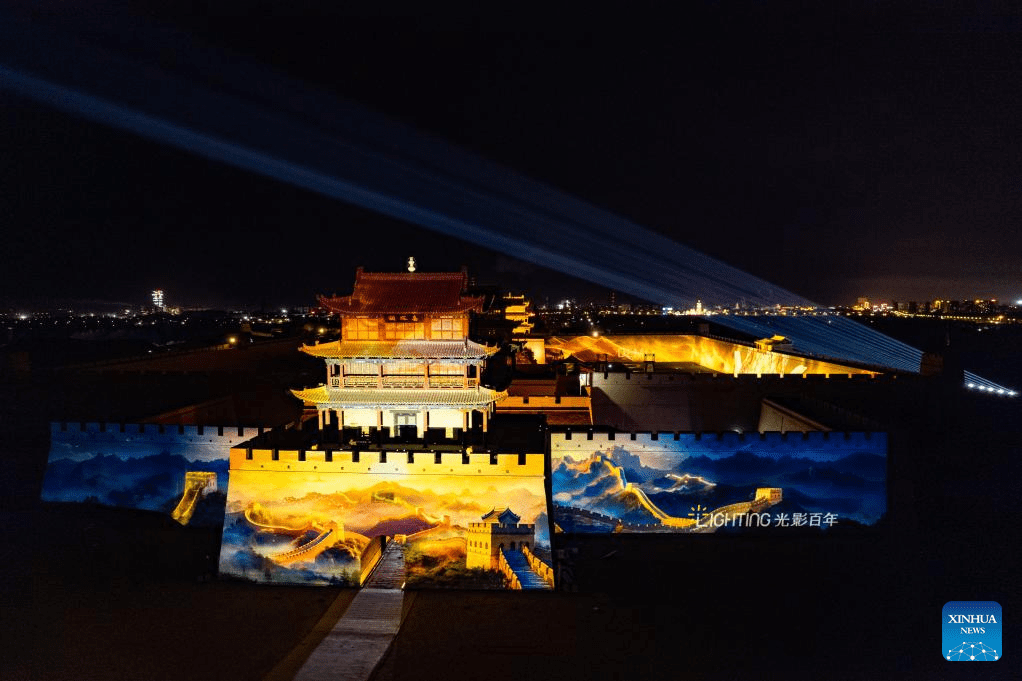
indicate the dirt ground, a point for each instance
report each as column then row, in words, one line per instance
column 109, row 594
column 97, row 593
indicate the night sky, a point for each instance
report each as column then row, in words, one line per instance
column 838, row 154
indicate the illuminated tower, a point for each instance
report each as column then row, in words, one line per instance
column 518, row 310
column 158, row 299
column 496, row 531
column 404, row 358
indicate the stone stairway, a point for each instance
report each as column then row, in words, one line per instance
column 390, row 573
column 519, row 564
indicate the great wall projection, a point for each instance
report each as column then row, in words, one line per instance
column 463, row 519
column 457, row 521
column 687, row 483
column 180, row 471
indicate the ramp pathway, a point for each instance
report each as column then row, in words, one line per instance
column 517, row 561
column 358, row 641
column 390, row 573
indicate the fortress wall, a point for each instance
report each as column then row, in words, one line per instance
column 719, row 402
column 713, row 353
column 567, row 441
column 700, row 379
column 396, row 463
column 150, row 433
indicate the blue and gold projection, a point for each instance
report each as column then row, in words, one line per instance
column 447, row 520
column 725, row 482
column 181, row 471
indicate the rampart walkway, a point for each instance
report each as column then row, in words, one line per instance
column 196, row 484
column 524, row 575
column 186, row 507
column 390, row 571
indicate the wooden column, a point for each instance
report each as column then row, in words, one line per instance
column 486, row 419
column 319, row 414
column 425, row 422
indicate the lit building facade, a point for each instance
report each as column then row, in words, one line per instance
column 404, row 359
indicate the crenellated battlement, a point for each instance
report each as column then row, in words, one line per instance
column 393, row 462
column 153, row 432
column 497, row 528
column 567, row 439
column 598, row 378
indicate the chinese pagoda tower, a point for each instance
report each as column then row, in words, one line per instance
column 404, row 358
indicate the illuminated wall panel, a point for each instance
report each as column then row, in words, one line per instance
column 180, row 471
column 720, row 482
column 313, row 517
column 446, row 418
column 360, row 417
column 709, row 353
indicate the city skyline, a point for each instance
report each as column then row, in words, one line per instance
column 852, row 162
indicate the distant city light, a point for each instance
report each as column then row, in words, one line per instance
column 158, row 299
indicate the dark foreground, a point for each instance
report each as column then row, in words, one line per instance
column 94, row 593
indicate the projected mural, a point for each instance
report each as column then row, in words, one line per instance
column 717, row 483
column 700, row 352
column 181, row 471
column 435, row 520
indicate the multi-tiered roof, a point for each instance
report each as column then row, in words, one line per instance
column 406, row 293
column 404, row 352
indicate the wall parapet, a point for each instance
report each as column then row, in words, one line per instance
column 703, row 378
column 154, row 432
column 545, row 572
column 505, row 569
column 567, row 438
column 378, row 462
column 497, row 528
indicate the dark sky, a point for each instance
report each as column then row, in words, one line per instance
column 840, row 153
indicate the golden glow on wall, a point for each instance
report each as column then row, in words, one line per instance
column 356, row 328
column 297, row 517
column 710, row 354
